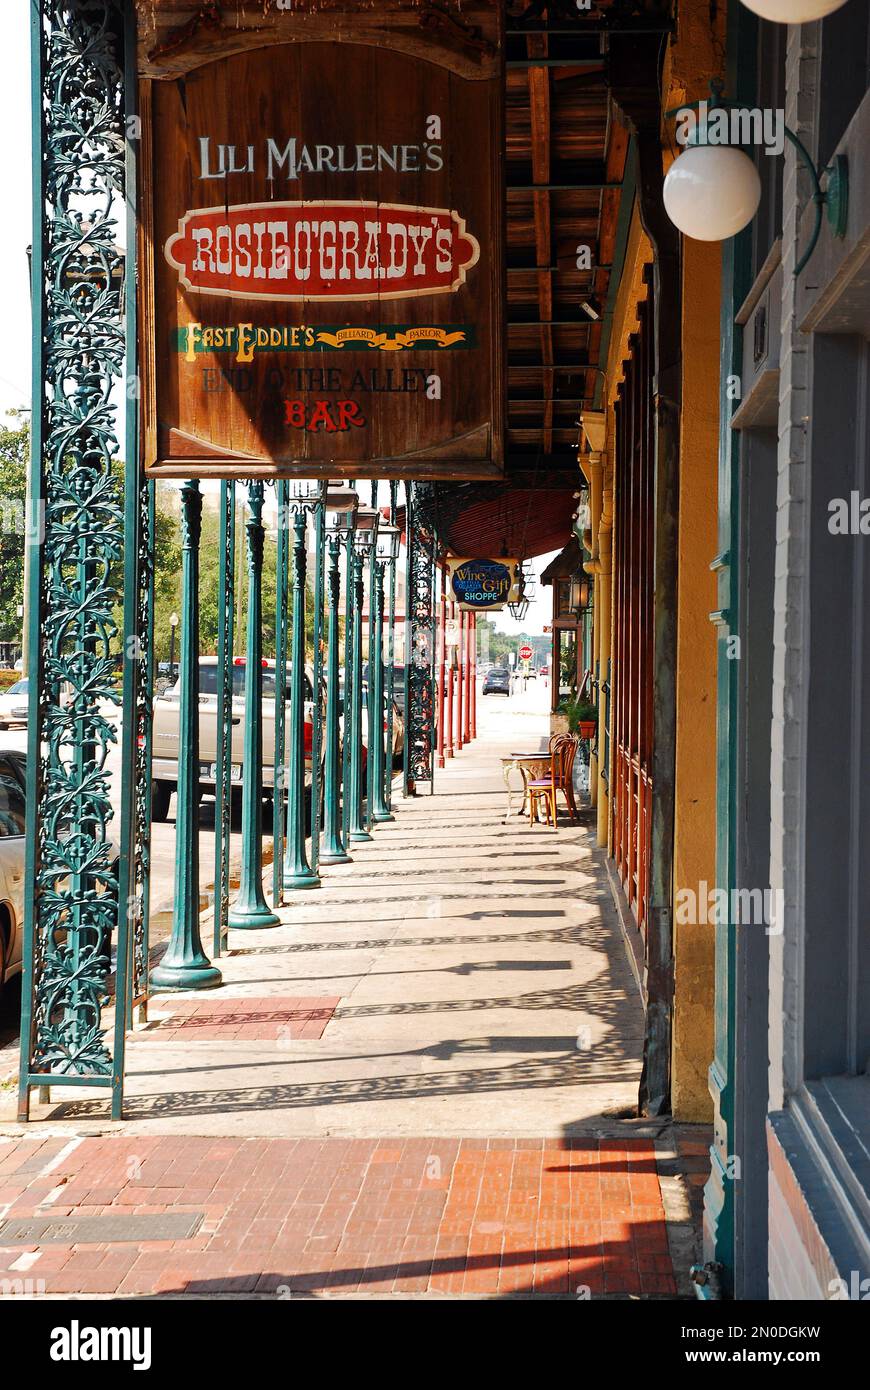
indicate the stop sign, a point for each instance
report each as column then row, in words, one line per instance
column 525, row 652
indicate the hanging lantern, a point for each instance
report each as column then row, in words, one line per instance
column 520, row 605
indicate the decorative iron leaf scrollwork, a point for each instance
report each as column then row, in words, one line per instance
column 78, row 304
column 422, row 552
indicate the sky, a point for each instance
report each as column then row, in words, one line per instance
column 16, row 235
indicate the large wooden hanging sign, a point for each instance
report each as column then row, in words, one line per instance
column 322, row 207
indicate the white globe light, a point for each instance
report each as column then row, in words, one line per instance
column 712, row 191
column 793, row 11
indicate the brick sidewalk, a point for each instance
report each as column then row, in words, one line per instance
column 518, row 1217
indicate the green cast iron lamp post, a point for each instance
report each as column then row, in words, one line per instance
column 391, row 645
column 364, row 539
column 387, row 549
column 185, row 964
column 250, row 910
column 298, row 873
column 342, row 502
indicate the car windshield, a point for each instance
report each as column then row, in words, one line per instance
column 11, row 801
column 208, row 682
column 19, row 688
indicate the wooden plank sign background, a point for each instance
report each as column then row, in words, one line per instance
column 322, row 250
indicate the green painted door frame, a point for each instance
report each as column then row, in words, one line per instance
column 722, row 1189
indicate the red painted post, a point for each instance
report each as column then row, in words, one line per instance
column 448, row 732
column 460, row 681
column 472, row 676
column 441, row 674
column 467, row 665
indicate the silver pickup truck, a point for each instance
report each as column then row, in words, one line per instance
column 164, row 750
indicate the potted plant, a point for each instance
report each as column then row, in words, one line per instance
column 582, row 718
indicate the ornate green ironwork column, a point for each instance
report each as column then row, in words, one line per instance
column 139, row 651
column 357, row 830
column 250, row 910
column 317, row 712
column 372, row 763
column 185, row 964
column 225, row 718
column 419, row 643
column 279, row 771
column 391, row 657
column 134, row 876
column 297, row 870
column 333, row 851
column 71, row 890
column 347, row 704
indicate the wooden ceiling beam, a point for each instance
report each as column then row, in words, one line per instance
column 539, row 104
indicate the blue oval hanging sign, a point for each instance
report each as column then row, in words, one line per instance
column 482, row 583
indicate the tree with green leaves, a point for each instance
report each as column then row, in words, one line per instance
column 14, row 459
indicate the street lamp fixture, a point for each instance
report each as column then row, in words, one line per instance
column 304, row 492
column 793, row 11
column 578, row 593
column 388, row 540
column 712, row 192
column 341, row 508
column 173, row 624
column 366, row 529
column 713, row 189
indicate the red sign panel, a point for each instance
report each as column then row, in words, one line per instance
column 328, row 250
column 525, row 652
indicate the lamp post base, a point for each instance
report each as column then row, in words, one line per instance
column 338, row 858
column 309, row 880
column 185, row 977
column 359, row 835
column 240, row 919
column 380, row 816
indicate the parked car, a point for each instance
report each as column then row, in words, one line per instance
column 164, row 749
column 398, row 682
column 13, row 791
column 497, row 681
column 13, row 704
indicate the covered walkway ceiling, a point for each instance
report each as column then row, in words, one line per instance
column 566, row 160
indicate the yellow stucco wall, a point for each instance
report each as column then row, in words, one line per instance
column 695, row 811
column 697, row 55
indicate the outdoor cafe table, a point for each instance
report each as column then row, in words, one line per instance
column 528, row 764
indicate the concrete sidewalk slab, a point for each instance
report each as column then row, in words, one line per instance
column 421, row 1083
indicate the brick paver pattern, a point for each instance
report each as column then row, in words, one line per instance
column 285, row 1217
column 266, row 1019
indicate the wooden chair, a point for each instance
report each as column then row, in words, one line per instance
column 563, row 751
